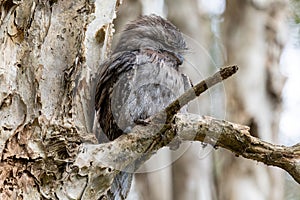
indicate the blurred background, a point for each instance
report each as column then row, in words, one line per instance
column 263, row 38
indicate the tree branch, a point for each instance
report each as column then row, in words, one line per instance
column 237, row 139
column 192, row 93
column 104, row 161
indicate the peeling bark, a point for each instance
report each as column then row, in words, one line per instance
column 49, row 57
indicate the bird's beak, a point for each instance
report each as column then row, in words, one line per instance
column 178, row 57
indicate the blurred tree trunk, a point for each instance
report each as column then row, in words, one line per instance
column 254, row 37
column 50, row 53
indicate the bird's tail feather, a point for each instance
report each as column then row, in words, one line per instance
column 121, row 184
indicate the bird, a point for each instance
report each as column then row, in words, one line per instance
column 140, row 78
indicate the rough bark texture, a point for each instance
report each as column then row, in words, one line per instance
column 253, row 34
column 50, row 51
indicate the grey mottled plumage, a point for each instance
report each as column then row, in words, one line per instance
column 139, row 79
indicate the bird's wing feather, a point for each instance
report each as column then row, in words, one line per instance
column 109, row 71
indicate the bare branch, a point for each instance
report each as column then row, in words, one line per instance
column 192, row 93
column 104, row 161
column 237, row 139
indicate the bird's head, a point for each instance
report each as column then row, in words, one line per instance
column 152, row 32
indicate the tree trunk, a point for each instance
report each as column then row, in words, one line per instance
column 50, row 53
column 254, row 38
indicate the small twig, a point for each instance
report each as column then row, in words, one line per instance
column 195, row 91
